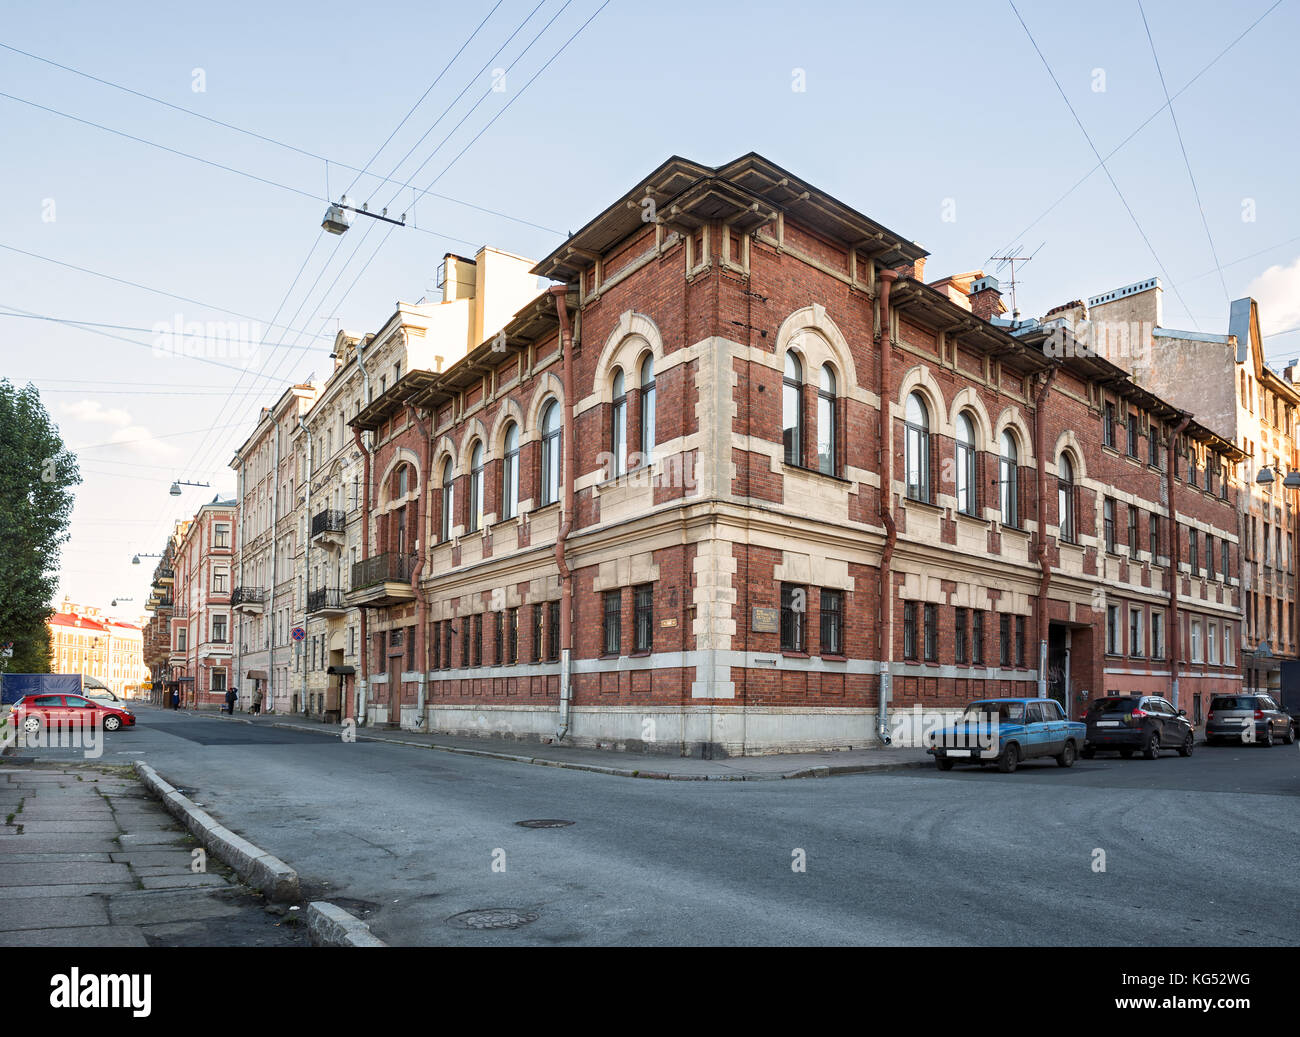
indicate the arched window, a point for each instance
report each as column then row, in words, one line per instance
column 648, row 409
column 826, row 431
column 1009, row 480
column 1065, row 498
column 792, row 410
column 551, row 450
column 916, row 448
column 510, row 473
column 448, row 499
column 618, row 427
column 476, row 487
column 967, row 501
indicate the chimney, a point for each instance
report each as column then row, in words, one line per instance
column 986, row 298
column 1289, row 372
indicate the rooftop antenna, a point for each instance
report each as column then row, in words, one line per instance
column 1013, row 257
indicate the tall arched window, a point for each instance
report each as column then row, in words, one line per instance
column 1065, row 498
column 476, row 487
column 1009, row 480
column 551, row 450
column 618, row 427
column 510, row 473
column 916, row 448
column 792, row 410
column 648, row 409
column 448, row 499
column 967, row 502
column 826, row 431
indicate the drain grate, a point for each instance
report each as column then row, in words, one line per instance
column 492, row 918
column 544, row 822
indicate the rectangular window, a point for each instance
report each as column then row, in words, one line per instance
column 1132, row 435
column 1227, row 644
column 643, row 620
column 1112, row 630
column 613, row 622
column 1004, row 640
column 219, row 629
column 1153, row 534
column 1209, row 556
column 1108, row 523
column 1132, row 529
column 478, row 638
column 553, row 621
column 466, row 631
column 1196, row 641
column 959, row 638
column 909, row 630
column 1108, row 425
column 1020, row 641
column 436, row 634
column 1223, row 559
column 219, row 681
column 977, row 638
column 539, row 611
column 446, row 644
column 221, row 535
column 794, row 604
column 1136, row 647
column 1153, row 452
column 1212, row 643
column 1157, row 634
column 499, row 636
column 1192, row 543
column 931, row 633
column 512, row 636
column 410, row 651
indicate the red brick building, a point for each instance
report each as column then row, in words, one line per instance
column 201, row 653
column 742, row 482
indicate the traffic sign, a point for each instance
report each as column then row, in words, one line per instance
column 299, row 633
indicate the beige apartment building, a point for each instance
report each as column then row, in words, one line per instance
column 479, row 297
column 1223, row 379
column 263, row 566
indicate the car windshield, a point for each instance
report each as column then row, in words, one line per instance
column 1112, row 705
column 1007, row 712
column 1233, row 702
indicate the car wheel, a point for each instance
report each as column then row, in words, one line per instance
column 942, row 763
column 1152, row 750
column 1290, row 735
column 1267, row 740
column 112, row 723
column 1008, row 759
column 32, row 724
column 1066, row 759
column 1126, row 753
column 1188, row 744
column 1088, row 754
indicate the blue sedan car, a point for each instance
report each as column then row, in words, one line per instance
column 1007, row 731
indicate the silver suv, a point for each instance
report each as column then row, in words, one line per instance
column 1247, row 718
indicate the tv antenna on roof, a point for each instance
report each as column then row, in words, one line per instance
column 1013, row 257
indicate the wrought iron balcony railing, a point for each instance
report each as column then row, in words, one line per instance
column 382, row 569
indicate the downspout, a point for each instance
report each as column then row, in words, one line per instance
column 885, row 628
column 566, row 523
column 1175, row 552
column 306, row 558
column 1045, row 580
column 363, row 682
column 421, row 599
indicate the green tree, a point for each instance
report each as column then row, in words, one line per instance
column 37, row 473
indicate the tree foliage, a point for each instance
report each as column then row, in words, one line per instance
column 37, row 473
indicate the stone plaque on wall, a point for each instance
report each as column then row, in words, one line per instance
column 766, row 621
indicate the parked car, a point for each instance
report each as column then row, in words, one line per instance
column 1132, row 723
column 33, row 713
column 1006, row 732
column 104, row 695
column 1232, row 716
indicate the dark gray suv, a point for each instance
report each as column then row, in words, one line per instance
column 1247, row 718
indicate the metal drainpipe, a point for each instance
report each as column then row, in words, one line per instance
column 421, row 599
column 566, row 577
column 306, row 557
column 363, row 684
column 1175, row 628
column 1045, row 580
column 885, row 628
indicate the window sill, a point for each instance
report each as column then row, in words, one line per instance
column 834, row 657
column 643, row 654
column 908, row 501
column 817, row 472
column 794, row 654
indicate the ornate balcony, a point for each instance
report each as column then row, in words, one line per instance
column 329, row 527
column 248, row 599
column 326, row 600
column 382, row 581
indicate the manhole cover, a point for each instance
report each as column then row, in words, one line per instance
column 492, row 918
column 544, row 822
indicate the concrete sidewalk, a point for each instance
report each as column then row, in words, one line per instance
column 620, row 764
column 88, row 858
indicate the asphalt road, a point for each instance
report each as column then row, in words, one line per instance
column 1197, row 851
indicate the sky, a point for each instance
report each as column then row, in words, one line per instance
column 971, row 129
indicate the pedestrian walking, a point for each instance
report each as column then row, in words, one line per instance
column 231, row 695
column 257, row 701
column 176, row 699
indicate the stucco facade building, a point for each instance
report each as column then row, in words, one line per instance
column 202, row 656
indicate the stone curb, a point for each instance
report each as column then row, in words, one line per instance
column 617, row 772
column 331, row 926
column 276, row 880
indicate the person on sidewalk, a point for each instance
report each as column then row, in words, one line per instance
column 176, row 699
column 231, row 695
column 257, row 701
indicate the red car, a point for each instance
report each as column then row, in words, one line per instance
column 32, row 713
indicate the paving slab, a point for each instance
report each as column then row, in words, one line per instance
column 177, row 881
column 97, row 842
column 140, row 907
column 55, row 858
column 28, row 892
column 53, row 913
column 98, row 936
column 69, row 827
column 59, row 874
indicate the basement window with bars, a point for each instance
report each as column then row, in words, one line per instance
column 553, row 621
column 613, row 622
column 1020, row 641
column 977, row 638
column 959, row 635
column 512, row 636
column 794, row 604
column 498, row 636
column 539, row 610
column 1004, row 640
column 832, row 622
column 643, row 618
column 909, row 630
column 931, row 633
